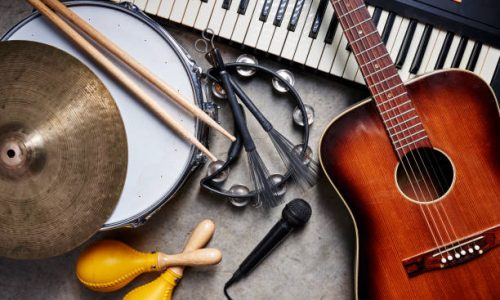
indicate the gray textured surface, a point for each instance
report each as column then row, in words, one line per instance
column 315, row 263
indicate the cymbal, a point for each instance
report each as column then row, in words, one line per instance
column 63, row 151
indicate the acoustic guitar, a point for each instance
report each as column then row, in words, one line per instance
column 418, row 168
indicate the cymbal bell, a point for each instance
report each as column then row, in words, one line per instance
column 63, row 151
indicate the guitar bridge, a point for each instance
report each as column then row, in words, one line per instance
column 453, row 254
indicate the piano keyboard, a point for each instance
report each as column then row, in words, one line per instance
column 306, row 32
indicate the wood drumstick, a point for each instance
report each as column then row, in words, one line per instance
column 120, row 76
column 58, row 7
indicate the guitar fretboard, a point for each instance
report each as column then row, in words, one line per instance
column 400, row 118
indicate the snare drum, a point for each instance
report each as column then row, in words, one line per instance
column 159, row 161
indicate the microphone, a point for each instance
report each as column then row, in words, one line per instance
column 295, row 214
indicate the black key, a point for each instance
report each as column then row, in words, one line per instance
column 332, row 28
column 444, row 51
column 280, row 13
column 460, row 52
column 226, row 4
column 266, row 9
column 204, row 1
column 318, row 18
column 422, row 46
column 495, row 81
column 242, row 9
column 376, row 15
column 471, row 64
column 407, row 39
column 388, row 27
column 294, row 19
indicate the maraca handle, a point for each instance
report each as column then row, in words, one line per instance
column 201, row 257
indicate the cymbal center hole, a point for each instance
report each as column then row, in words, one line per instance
column 11, row 153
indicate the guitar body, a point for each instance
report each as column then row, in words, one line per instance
column 461, row 116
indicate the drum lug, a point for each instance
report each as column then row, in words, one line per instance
column 139, row 222
column 130, row 6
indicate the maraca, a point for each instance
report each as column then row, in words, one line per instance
column 163, row 287
column 110, row 265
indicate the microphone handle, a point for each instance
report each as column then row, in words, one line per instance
column 271, row 240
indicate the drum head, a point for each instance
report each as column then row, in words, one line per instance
column 159, row 161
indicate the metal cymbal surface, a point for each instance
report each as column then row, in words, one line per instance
column 63, row 151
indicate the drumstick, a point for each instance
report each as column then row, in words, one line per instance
column 58, row 7
column 120, row 76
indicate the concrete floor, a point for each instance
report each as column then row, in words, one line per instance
column 315, row 263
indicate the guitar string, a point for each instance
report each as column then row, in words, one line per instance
column 452, row 241
column 355, row 24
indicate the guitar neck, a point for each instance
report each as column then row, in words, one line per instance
column 394, row 105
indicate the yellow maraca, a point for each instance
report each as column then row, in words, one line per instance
column 162, row 288
column 109, row 265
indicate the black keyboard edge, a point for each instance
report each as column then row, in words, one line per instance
column 439, row 18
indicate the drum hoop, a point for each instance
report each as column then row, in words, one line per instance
column 194, row 71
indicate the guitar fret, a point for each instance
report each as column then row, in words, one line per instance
column 396, row 75
column 365, row 36
column 412, row 142
column 384, row 68
column 371, row 48
column 356, row 25
column 406, row 129
column 391, row 88
column 371, row 61
column 409, row 136
column 390, row 99
column 351, row 11
column 397, row 106
column 397, row 116
column 405, row 121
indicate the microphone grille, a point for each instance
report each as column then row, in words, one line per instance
column 297, row 212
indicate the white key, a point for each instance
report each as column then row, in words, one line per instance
column 394, row 33
column 165, row 8
column 417, row 36
column 318, row 44
column 326, row 61
column 398, row 42
column 280, row 33
column 267, row 32
column 451, row 52
column 206, row 9
column 152, row 6
column 255, row 27
column 217, row 17
column 191, row 13
column 293, row 37
column 467, row 54
column 481, row 59
column 141, row 4
column 341, row 57
column 380, row 27
column 243, row 22
column 305, row 41
column 435, row 51
column 490, row 64
column 178, row 10
column 428, row 52
column 230, row 19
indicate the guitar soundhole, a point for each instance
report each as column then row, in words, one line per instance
column 424, row 175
